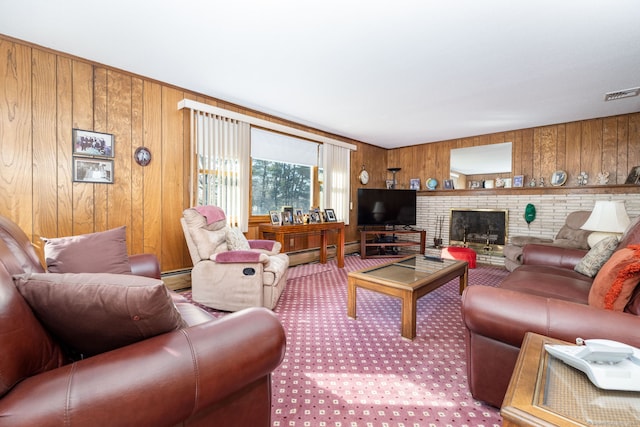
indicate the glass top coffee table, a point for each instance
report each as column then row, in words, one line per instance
column 408, row 279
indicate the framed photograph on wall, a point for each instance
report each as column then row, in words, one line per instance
column 88, row 143
column 92, row 170
column 331, row 215
column 518, row 181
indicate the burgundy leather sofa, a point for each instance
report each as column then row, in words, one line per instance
column 546, row 296
column 211, row 372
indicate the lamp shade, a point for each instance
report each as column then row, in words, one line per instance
column 607, row 216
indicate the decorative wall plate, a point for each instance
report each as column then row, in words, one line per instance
column 558, row 178
column 432, row 183
column 142, row 156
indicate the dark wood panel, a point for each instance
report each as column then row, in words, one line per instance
column 64, row 123
column 152, row 213
column 101, row 124
column 43, row 95
column 137, row 171
column 84, row 203
column 119, row 123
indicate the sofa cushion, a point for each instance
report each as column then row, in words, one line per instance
column 236, row 241
column 591, row 263
column 613, row 286
column 101, row 252
column 94, row 313
column 550, row 282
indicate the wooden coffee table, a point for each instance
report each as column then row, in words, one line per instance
column 408, row 279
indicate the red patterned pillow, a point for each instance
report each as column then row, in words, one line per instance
column 613, row 286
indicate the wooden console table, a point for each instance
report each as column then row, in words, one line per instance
column 544, row 391
column 389, row 241
column 280, row 231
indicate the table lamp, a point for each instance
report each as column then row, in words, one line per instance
column 608, row 218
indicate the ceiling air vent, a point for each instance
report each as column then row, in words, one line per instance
column 619, row 94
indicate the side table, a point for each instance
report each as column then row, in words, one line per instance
column 544, row 391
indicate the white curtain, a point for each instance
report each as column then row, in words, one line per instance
column 221, row 150
column 336, row 162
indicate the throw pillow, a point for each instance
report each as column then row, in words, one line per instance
column 591, row 263
column 94, row 313
column 101, row 252
column 236, row 240
column 614, row 284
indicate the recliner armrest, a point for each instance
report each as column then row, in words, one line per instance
column 557, row 256
column 270, row 247
column 238, row 257
column 160, row 381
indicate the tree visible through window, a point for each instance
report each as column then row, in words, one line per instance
column 277, row 184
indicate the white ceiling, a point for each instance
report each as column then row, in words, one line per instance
column 389, row 73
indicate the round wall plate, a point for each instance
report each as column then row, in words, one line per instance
column 432, row 183
column 142, row 156
column 558, row 178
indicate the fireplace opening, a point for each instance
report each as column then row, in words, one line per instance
column 484, row 230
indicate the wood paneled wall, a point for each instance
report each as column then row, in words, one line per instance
column 610, row 144
column 44, row 94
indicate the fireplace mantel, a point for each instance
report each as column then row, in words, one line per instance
column 520, row 191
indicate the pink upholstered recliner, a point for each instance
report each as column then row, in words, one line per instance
column 230, row 272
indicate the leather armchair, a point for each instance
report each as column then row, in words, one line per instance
column 225, row 277
column 212, row 372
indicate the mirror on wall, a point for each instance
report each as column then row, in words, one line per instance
column 480, row 160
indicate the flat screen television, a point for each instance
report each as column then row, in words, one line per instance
column 377, row 206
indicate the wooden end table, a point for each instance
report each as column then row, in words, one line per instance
column 544, row 391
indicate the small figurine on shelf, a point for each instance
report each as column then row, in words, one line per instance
column 532, row 183
column 582, row 178
column 603, row 178
column 541, row 182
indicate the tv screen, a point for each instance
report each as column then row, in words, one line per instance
column 386, row 207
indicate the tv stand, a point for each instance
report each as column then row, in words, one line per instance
column 390, row 243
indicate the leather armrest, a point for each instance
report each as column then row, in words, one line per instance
column 145, row 265
column 557, row 256
column 505, row 315
column 159, row 381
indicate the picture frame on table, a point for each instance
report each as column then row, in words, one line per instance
column 97, row 171
column 414, row 184
column 314, row 216
column 94, row 144
column 298, row 216
column 275, row 217
column 447, row 184
column 331, row 215
column 518, row 181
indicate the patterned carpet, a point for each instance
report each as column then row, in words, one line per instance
column 351, row 373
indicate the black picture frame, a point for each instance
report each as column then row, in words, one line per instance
column 90, row 170
column 331, row 215
column 93, row 144
column 448, row 184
